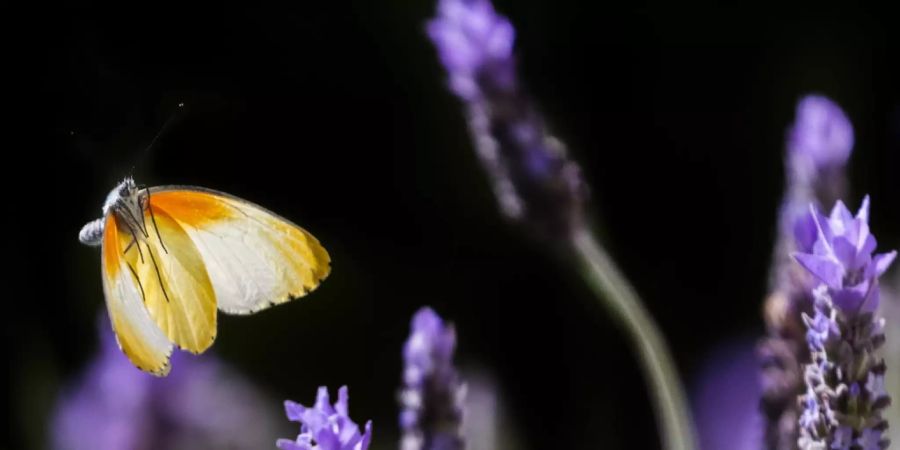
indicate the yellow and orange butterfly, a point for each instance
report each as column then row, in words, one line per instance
column 173, row 255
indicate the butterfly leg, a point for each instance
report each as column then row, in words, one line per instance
column 153, row 219
column 134, row 241
column 158, row 275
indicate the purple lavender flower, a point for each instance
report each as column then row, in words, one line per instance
column 818, row 146
column 845, row 395
column 432, row 395
column 533, row 179
column 201, row 404
column 326, row 427
column 539, row 186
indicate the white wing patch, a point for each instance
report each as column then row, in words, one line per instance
column 244, row 270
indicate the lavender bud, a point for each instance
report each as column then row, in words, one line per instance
column 821, row 137
column 432, row 395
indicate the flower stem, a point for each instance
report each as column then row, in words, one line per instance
column 616, row 294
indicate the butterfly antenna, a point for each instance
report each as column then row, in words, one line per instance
column 161, row 131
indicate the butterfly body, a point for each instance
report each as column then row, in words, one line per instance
column 173, row 256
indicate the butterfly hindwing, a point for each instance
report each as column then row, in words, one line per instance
column 136, row 332
column 254, row 258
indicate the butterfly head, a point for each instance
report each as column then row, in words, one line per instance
column 123, row 191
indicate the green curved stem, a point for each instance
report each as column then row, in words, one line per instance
column 616, row 294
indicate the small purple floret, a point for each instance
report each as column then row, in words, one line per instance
column 326, row 427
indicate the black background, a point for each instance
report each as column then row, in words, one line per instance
column 335, row 115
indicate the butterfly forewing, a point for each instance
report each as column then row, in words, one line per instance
column 254, row 259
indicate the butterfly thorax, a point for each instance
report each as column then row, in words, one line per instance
column 127, row 201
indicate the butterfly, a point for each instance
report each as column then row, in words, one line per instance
column 174, row 255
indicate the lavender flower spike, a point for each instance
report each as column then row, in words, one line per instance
column 432, row 395
column 326, row 427
column 818, row 145
column 845, row 395
column 533, row 179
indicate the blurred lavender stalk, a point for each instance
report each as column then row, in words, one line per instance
column 819, row 143
column 486, row 422
column 325, row 426
column 432, row 396
column 890, row 307
column 844, row 379
column 540, row 187
column 201, row 404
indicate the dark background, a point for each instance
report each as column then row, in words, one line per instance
column 335, row 115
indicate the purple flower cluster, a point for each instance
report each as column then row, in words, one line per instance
column 844, row 381
column 326, row 427
column 534, row 180
column 842, row 258
column 432, row 395
column 475, row 45
column 201, row 404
